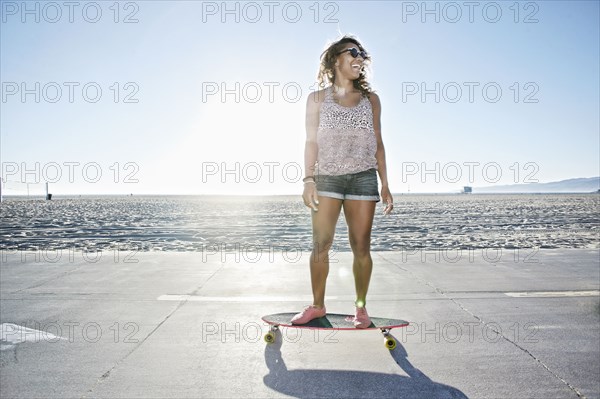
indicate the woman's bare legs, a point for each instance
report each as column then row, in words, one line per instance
column 323, row 223
column 359, row 218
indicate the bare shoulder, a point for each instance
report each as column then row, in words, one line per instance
column 316, row 97
column 374, row 98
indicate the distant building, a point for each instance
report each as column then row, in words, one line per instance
column 467, row 190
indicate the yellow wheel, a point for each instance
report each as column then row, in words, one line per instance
column 390, row 343
column 269, row 337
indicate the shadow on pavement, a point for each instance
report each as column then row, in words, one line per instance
column 354, row 384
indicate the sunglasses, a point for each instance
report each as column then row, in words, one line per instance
column 354, row 52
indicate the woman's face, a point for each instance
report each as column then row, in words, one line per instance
column 348, row 66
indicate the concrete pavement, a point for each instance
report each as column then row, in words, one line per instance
column 484, row 324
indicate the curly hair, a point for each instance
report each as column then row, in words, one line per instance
column 326, row 74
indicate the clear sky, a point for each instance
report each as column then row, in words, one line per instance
column 192, row 97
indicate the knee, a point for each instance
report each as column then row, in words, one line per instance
column 361, row 247
column 322, row 244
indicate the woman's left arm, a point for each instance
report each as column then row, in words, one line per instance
column 386, row 195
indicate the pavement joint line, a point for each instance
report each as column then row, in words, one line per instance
column 48, row 280
column 105, row 376
column 194, row 298
column 461, row 306
column 552, row 294
column 264, row 298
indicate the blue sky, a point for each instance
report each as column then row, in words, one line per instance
column 179, row 137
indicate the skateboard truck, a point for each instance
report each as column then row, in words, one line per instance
column 270, row 336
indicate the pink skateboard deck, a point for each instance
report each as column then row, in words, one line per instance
column 333, row 321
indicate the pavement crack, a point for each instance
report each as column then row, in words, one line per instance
column 39, row 284
column 499, row 333
column 488, row 325
column 105, row 376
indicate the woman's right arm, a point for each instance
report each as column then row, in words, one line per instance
column 311, row 150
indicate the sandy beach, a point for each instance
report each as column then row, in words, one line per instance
column 449, row 222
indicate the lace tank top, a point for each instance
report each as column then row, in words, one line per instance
column 345, row 137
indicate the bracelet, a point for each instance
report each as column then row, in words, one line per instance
column 308, row 177
column 310, row 182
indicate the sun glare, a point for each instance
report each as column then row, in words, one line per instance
column 241, row 148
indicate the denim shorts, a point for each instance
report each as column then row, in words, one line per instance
column 356, row 186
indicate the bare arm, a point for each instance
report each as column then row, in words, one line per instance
column 312, row 123
column 380, row 154
column 311, row 149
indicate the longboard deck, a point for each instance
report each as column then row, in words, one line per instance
column 333, row 321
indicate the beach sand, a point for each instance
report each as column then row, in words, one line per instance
column 283, row 223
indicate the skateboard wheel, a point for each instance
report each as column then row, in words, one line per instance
column 390, row 343
column 269, row 337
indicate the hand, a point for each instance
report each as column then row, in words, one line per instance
column 310, row 197
column 386, row 196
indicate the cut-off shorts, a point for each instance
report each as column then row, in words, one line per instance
column 356, row 186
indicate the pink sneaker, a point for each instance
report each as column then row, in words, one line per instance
column 361, row 318
column 309, row 313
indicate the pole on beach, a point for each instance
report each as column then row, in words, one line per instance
column 48, row 196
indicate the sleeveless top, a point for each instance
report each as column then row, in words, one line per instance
column 345, row 137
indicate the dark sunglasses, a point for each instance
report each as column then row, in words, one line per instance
column 354, row 52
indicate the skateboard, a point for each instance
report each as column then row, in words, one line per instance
column 333, row 321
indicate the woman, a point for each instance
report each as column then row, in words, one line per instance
column 343, row 153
